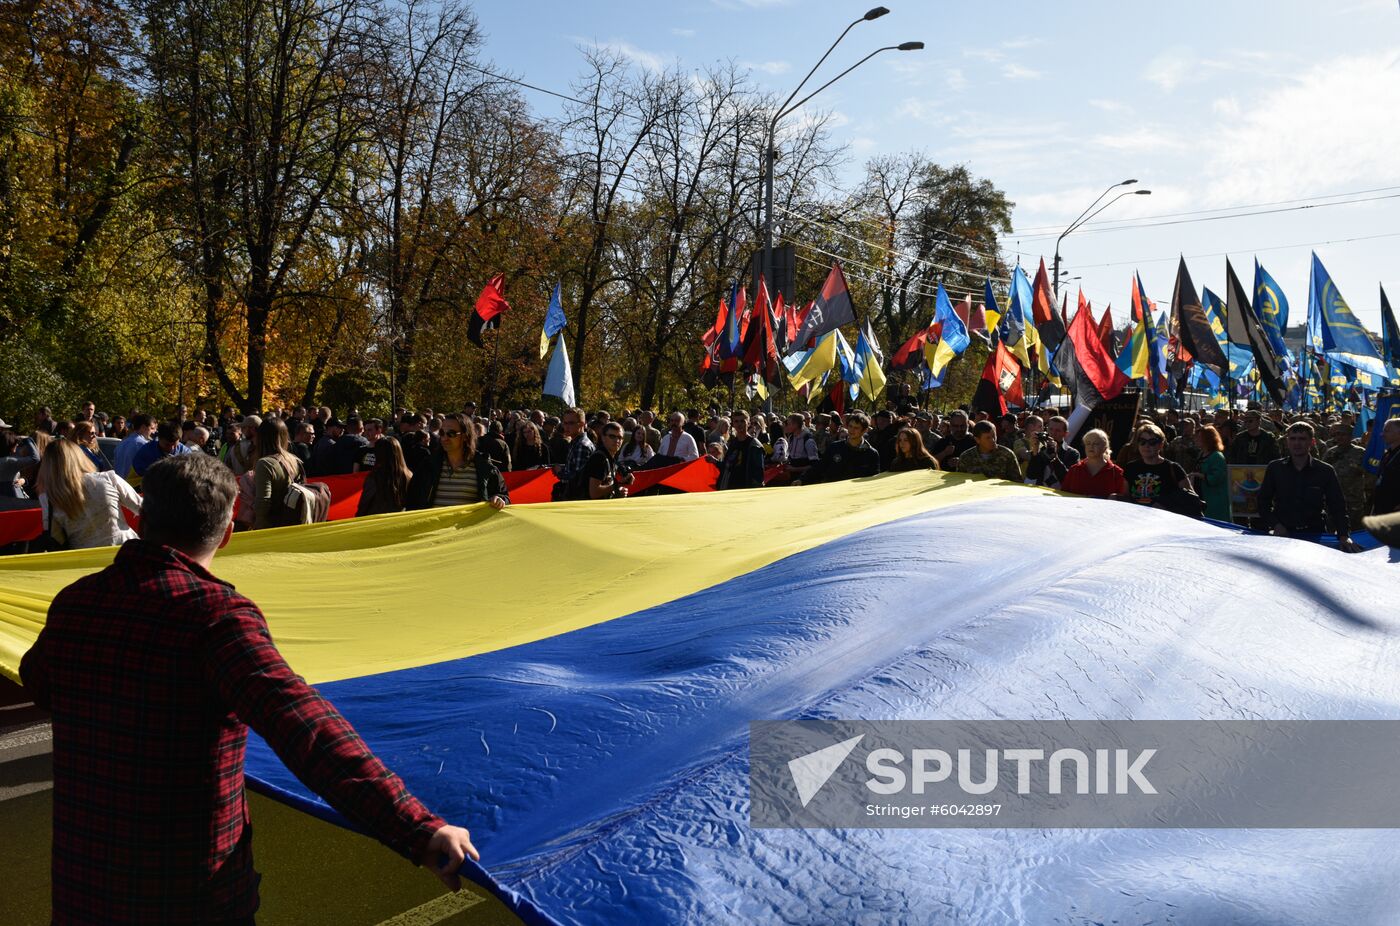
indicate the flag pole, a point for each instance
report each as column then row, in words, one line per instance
column 490, row 402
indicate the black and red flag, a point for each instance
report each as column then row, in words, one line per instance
column 1000, row 383
column 1086, row 366
column 911, row 353
column 832, row 309
column 760, row 346
column 489, row 306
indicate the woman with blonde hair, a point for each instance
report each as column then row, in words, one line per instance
column 1096, row 475
column 275, row 468
column 81, row 507
column 85, row 436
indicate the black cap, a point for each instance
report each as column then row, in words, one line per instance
column 335, row 423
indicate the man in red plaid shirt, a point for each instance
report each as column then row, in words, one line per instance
column 151, row 669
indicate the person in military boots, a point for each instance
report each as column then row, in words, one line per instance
column 988, row 458
column 1346, row 457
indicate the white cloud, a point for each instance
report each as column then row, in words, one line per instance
column 767, row 67
column 1019, row 72
column 1227, row 107
column 1142, row 138
column 1172, row 68
column 862, row 145
column 649, row 60
column 1111, row 106
column 955, row 79
column 1330, row 129
column 989, row 55
column 684, row 33
column 921, row 109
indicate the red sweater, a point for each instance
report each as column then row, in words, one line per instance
column 1108, row 482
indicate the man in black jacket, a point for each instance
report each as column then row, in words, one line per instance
column 1298, row 487
column 1386, row 497
column 743, row 458
column 851, row 458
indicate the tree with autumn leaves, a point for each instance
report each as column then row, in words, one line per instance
column 272, row 202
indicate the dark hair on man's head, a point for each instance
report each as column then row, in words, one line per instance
column 138, row 422
column 168, row 431
column 187, row 502
column 983, row 427
column 1301, row 427
column 860, row 418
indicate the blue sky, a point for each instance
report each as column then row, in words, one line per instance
column 1208, row 104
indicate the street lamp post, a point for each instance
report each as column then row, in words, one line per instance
column 1085, row 216
column 785, row 109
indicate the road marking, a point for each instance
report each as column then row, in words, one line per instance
column 436, row 910
column 28, row 737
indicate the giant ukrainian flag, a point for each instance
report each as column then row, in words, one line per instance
column 575, row 683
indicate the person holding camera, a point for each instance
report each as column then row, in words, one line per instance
column 1050, row 456
column 604, row 474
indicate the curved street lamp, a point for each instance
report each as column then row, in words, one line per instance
column 788, row 106
column 1084, row 217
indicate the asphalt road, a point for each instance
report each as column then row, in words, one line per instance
column 313, row 873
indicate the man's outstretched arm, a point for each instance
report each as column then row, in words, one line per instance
column 321, row 747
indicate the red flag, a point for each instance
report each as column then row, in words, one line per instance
column 1042, row 300
column 1105, row 329
column 1086, row 366
column 963, row 310
column 740, row 323
column 489, row 305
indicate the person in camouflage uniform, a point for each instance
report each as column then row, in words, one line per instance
column 1346, row 457
column 989, row 458
column 1184, row 451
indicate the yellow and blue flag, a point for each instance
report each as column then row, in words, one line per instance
column 869, row 367
column 554, row 321
column 809, row 366
column 952, row 341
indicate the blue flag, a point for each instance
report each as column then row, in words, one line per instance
column 1390, row 334
column 1271, row 308
column 1333, row 329
column 554, row 320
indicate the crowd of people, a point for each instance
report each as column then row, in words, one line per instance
column 1314, row 480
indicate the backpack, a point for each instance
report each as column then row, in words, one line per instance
column 304, row 502
column 307, row 502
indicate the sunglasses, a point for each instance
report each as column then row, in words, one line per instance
column 1150, row 441
column 450, row 433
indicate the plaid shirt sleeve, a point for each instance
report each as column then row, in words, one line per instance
column 309, row 734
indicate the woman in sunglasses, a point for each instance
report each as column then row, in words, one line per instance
column 457, row 474
column 1151, row 477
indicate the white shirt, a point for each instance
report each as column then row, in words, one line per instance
column 681, row 446
column 101, row 523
